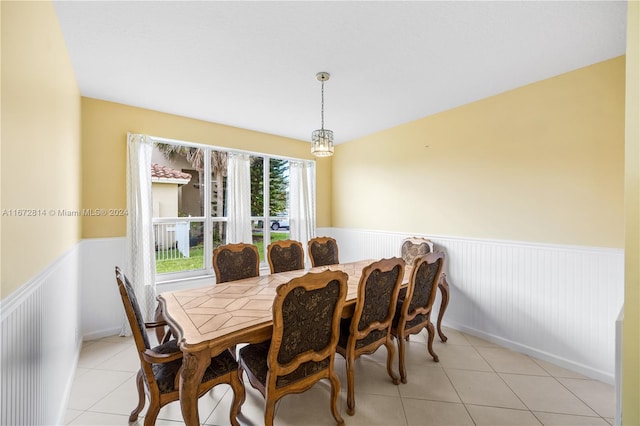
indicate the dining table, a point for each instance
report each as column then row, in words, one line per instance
column 208, row 320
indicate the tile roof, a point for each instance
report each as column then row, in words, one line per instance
column 164, row 172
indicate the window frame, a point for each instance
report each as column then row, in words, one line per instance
column 208, row 220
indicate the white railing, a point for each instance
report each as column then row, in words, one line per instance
column 171, row 237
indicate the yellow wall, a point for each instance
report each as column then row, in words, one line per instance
column 104, row 132
column 542, row 163
column 631, row 323
column 40, row 142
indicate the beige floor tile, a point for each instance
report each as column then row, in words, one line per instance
column 483, row 388
column 508, row 361
column 456, row 356
column 91, row 387
column 546, row 394
column 557, row 371
column 433, row 413
column 312, row 407
column 104, row 390
column 118, row 339
column 252, row 410
column 601, row 397
column 428, row 383
column 98, row 352
column 122, row 400
column 375, row 410
column 125, row 360
column 206, row 404
column 370, row 377
column 71, row 415
column 492, row 416
column 417, row 356
column 477, row 341
column 454, row 337
column 554, row 419
column 100, row 419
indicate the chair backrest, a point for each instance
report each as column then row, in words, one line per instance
column 235, row 262
column 323, row 251
column 306, row 320
column 423, row 283
column 414, row 247
column 132, row 309
column 285, row 255
column 377, row 297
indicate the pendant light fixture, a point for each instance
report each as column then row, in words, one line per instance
column 322, row 140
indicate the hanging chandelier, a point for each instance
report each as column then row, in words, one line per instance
column 322, row 139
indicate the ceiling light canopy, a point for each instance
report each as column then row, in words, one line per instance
column 322, row 139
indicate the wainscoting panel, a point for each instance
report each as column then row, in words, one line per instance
column 39, row 326
column 101, row 310
column 557, row 303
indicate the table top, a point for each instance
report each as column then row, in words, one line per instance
column 221, row 315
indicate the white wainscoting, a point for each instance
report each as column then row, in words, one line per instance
column 40, row 338
column 557, row 303
column 101, row 308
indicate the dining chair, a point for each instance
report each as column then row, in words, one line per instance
column 370, row 326
column 306, row 318
column 323, row 251
column 411, row 249
column 413, row 310
column 233, row 262
column 285, row 255
column 160, row 366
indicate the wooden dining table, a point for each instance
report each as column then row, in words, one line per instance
column 208, row 320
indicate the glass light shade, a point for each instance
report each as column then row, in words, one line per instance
column 322, row 143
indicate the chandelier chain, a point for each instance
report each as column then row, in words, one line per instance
column 322, row 106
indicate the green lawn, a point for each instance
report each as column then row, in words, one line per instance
column 196, row 259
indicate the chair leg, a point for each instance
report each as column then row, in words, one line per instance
column 403, row 371
column 269, row 411
column 443, row 285
column 335, row 392
column 432, row 332
column 152, row 413
column 351, row 398
column 239, row 396
column 134, row 414
column 390, row 352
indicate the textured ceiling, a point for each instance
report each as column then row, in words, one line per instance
column 253, row 64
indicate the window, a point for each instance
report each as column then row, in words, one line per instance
column 189, row 191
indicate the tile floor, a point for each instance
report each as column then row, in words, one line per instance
column 475, row 383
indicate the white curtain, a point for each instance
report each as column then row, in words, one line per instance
column 302, row 203
column 140, row 263
column 239, row 198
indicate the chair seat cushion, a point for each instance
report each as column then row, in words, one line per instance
column 255, row 356
column 165, row 374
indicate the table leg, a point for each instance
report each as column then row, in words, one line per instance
column 443, row 285
column 193, row 367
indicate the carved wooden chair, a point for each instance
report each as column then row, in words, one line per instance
column 285, row 255
column 370, row 326
column 233, row 262
column 414, row 247
column 411, row 249
column 161, row 365
column 323, row 251
column 413, row 310
column 306, row 319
